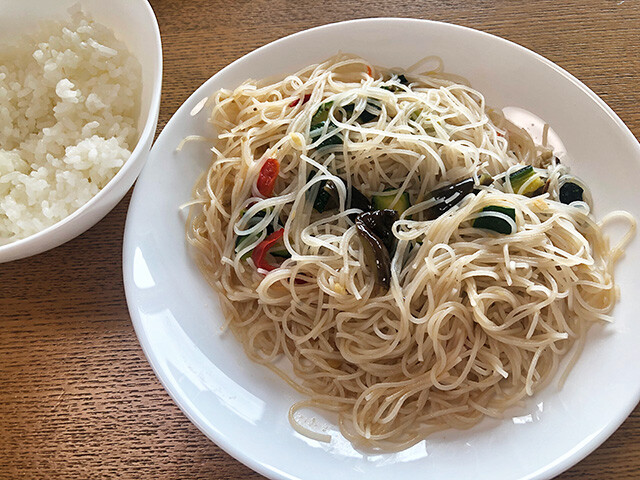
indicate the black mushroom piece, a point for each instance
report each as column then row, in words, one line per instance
column 448, row 196
column 379, row 242
column 358, row 200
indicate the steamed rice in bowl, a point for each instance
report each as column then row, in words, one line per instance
column 69, row 103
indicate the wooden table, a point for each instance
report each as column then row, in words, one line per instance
column 78, row 400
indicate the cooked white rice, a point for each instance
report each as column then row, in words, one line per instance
column 69, row 102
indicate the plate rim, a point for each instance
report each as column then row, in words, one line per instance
column 547, row 472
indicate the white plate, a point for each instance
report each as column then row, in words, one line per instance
column 243, row 407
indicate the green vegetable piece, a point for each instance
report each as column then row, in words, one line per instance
column 348, row 108
column 283, row 253
column 571, row 192
column 522, row 176
column 316, row 130
column 244, row 240
column 322, row 114
column 393, row 88
column 428, row 126
column 485, row 179
column 384, row 200
column 326, row 197
column 415, row 114
column 366, row 116
column 494, row 223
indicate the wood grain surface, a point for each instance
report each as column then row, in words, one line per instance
column 78, row 399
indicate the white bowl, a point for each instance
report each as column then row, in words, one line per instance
column 243, row 406
column 133, row 22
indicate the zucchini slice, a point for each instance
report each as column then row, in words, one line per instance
column 384, row 200
column 496, row 224
column 526, row 181
column 571, row 192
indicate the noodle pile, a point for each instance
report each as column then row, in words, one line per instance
column 473, row 321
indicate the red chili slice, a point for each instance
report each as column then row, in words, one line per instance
column 369, row 71
column 261, row 251
column 297, row 100
column 267, row 177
